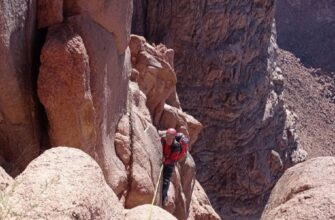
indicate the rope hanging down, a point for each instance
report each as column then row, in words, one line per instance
column 155, row 194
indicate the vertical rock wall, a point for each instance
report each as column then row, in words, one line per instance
column 19, row 130
column 225, row 62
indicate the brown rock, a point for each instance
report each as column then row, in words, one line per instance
column 63, row 183
column 297, row 25
column 109, row 73
column 5, row 180
column 201, row 208
column 305, row 191
column 225, row 59
column 113, row 15
column 19, row 130
column 156, row 77
column 146, row 152
column 49, row 12
column 64, row 90
column 143, row 211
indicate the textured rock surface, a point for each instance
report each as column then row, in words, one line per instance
column 86, row 97
column 310, row 93
column 50, row 12
column 64, row 89
column 201, row 208
column 63, row 183
column 5, row 179
column 142, row 212
column 154, row 87
column 114, row 15
column 19, row 136
column 225, row 62
column 305, row 191
column 307, row 28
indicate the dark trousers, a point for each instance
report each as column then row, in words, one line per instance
column 167, row 174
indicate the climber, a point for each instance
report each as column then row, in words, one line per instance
column 175, row 146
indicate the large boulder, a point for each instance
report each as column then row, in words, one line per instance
column 19, row 127
column 143, row 212
column 62, row 183
column 305, row 191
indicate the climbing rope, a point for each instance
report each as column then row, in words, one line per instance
column 155, row 194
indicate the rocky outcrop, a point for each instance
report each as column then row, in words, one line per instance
column 63, row 183
column 83, row 67
column 201, row 208
column 305, row 191
column 297, row 24
column 143, row 211
column 311, row 94
column 19, row 128
column 138, row 143
column 227, row 78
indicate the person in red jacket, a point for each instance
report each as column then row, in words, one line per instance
column 175, row 146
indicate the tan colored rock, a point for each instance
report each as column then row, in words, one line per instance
column 49, row 12
column 157, row 78
column 305, row 191
column 146, row 152
column 173, row 117
column 5, row 180
column 63, row 183
column 19, row 127
column 112, row 15
column 142, row 212
column 64, row 90
column 201, row 208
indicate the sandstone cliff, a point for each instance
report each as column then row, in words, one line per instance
column 78, row 79
column 225, row 60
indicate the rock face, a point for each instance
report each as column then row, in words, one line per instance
column 225, row 62
column 63, row 183
column 142, row 212
column 311, row 94
column 201, row 208
column 83, row 82
column 305, row 191
column 297, row 24
column 19, row 128
column 138, row 144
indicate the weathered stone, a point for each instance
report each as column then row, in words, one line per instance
column 305, row 191
column 49, row 12
column 19, row 128
column 63, row 183
column 113, row 15
column 143, row 211
column 64, row 90
column 156, row 76
column 146, row 152
column 224, row 59
column 201, row 208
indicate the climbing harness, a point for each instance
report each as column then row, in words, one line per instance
column 155, row 194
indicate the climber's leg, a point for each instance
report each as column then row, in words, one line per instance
column 167, row 174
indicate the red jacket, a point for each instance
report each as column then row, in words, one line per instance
column 176, row 151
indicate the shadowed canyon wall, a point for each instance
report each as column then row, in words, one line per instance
column 225, row 60
column 307, row 29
